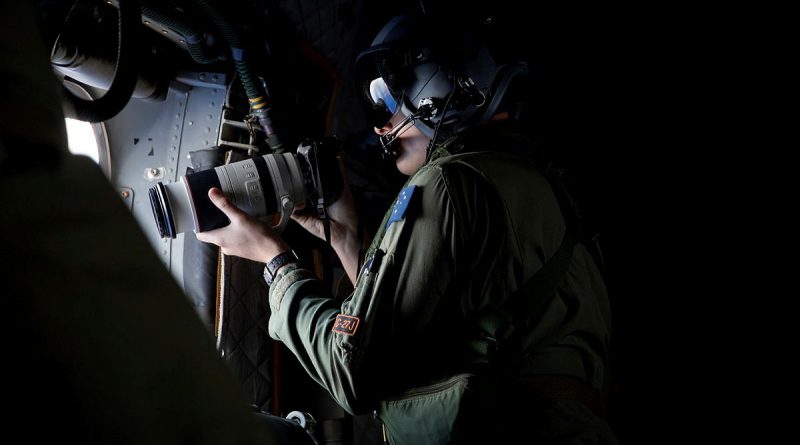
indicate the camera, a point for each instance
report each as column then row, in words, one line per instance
column 262, row 185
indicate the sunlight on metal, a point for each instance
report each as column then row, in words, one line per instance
column 82, row 140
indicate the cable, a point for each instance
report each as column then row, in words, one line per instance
column 432, row 143
column 125, row 73
column 195, row 40
column 426, row 110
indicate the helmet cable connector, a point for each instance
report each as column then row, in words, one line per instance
column 426, row 110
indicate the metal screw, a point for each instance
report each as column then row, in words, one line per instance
column 191, row 122
column 153, row 171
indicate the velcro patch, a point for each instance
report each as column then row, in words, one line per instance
column 345, row 324
column 401, row 204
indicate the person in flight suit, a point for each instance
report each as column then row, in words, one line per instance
column 418, row 341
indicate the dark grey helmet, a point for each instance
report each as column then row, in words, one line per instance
column 436, row 78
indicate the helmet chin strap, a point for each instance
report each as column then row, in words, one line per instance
column 426, row 110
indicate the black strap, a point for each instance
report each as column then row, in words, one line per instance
column 507, row 326
column 540, row 289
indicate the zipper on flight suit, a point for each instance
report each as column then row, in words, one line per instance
column 372, row 264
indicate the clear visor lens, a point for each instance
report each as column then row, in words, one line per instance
column 381, row 96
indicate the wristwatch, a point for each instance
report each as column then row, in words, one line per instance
column 276, row 263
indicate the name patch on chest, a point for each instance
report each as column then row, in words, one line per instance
column 345, row 324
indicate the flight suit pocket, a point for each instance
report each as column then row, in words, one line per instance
column 425, row 415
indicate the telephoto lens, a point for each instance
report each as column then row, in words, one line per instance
column 264, row 185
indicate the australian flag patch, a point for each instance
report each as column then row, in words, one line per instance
column 401, row 204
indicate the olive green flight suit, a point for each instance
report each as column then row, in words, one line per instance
column 466, row 231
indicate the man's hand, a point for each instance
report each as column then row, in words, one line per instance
column 344, row 229
column 246, row 236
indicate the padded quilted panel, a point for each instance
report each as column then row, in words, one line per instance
column 244, row 341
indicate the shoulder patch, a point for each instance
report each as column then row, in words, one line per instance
column 345, row 324
column 401, row 204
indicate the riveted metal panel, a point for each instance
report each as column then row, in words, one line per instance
column 150, row 142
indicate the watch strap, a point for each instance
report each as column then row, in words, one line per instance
column 276, row 263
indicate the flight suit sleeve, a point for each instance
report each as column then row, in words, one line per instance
column 348, row 347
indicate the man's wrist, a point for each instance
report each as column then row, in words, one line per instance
column 278, row 262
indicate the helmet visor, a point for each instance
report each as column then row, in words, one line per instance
column 381, row 96
column 383, row 102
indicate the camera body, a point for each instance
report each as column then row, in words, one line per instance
column 263, row 185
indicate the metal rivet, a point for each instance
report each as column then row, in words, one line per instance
column 125, row 194
column 146, row 22
column 191, row 122
column 164, row 31
column 202, row 77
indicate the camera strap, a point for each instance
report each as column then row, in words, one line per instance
column 322, row 212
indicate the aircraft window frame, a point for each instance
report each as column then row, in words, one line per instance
column 98, row 129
